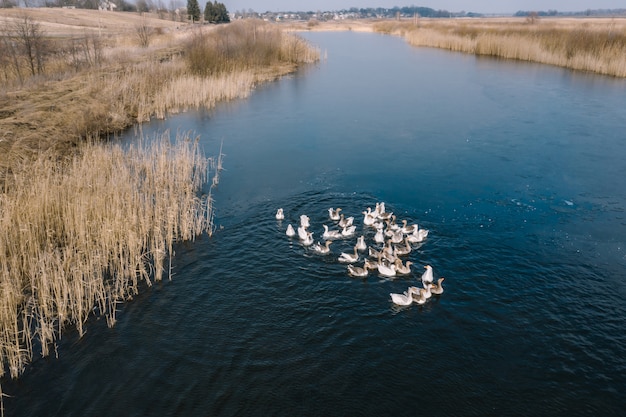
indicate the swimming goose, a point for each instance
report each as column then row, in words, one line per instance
column 357, row 271
column 427, row 292
column 279, row 214
column 406, row 229
column 379, row 209
column 290, row 232
column 349, row 258
column 331, row 234
column 345, row 221
column 388, row 252
column 420, row 297
column 419, row 235
column 437, row 288
column 405, row 298
column 304, row 221
column 302, row 233
column 322, row 249
column 427, row 276
column 380, row 236
column 308, row 241
column 403, row 269
column 386, row 270
column 397, row 236
column 370, row 217
column 334, row 214
column 370, row 265
column 360, row 243
column 348, row 231
column 374, row 253
column 403, row 250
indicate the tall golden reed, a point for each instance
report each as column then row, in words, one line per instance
column 79, row 237
column 589, row 45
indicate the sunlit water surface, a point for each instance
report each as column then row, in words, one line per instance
column 517, row 169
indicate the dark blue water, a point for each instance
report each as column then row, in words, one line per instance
column 517, row 169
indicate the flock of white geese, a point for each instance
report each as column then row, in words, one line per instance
column 392, row 242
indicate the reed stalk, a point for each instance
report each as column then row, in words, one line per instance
column 79, row 238
column 588, row 45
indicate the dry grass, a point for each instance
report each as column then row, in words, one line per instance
column 596, row 45
column 80, row 236
column 83, row 223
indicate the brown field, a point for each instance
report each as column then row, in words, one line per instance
column 69, row 22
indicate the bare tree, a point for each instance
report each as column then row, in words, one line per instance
column 532, row 18
column 31, row 41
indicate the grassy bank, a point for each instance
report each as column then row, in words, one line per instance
column 595, row 45
column 84, row 223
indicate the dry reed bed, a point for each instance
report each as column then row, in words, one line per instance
column 80, row 237
column 597, row 45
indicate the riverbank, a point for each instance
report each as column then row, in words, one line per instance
column 594, row 45
column 83, row 222
column 587, row 44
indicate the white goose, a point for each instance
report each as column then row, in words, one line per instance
column 308, row 241
column 322, row 249
column 357, row 271
column 427, row 276
column 331, row 234
column 360, row 243
column 370, row 217
column 348, row 231
column 334, row 214
column 290, row 231
column 380, row 236
column 304, row 221
column 279, row 214
column 349, row 258
column 386, row 270
column 405, row 298
column 418, row 236
column 302, row 233
column 427, row 292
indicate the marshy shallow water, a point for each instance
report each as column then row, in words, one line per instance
column 515, row 168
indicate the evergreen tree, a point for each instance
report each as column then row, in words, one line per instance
column 193, row 10
column 208, row 12
column 222, row 13
column 216, row 12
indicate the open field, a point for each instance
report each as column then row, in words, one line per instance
column 70, row 22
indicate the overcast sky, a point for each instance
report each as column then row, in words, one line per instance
column 480, row 6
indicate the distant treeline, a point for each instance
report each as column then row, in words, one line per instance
column 588, row 12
